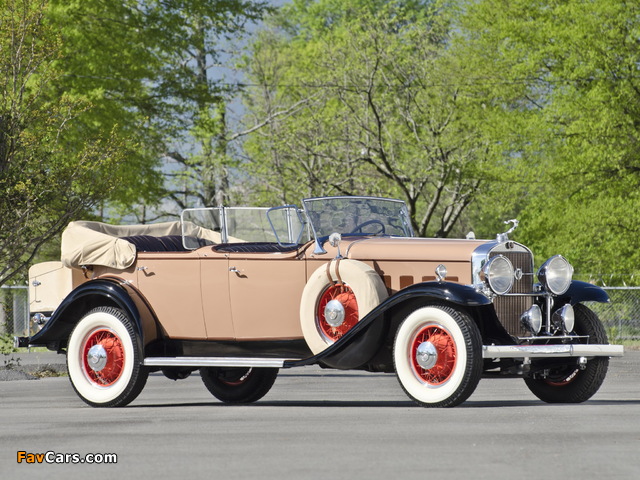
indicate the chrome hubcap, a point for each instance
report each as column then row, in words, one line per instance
column 334, row 313
column 97, row 358
column 426, row 355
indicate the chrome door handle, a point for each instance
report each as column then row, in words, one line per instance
column 234, row 270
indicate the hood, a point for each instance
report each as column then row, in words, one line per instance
column 411, row 249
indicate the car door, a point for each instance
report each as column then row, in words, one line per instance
column 170, row 283
column 215, row 294
column 265, row 291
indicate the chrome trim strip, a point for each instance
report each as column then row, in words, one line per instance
column 214, row 362
column 554, row 338
column 550, row 351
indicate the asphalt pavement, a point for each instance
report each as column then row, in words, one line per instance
column 320, row 424
column 30, row 365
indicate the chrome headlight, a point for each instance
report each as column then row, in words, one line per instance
column 564, row 318
column 498, row 274
column 532, row 319
column 555, row 274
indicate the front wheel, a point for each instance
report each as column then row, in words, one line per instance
column 438, row 356
column 570, row 384
column 104, row 359
column 238, row 384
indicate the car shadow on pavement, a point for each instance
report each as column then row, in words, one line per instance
column 384, row 404
column 539, row 403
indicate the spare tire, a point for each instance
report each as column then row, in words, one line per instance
column 337, row 296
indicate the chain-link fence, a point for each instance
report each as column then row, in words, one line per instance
column 14, row 311
column 621, row 317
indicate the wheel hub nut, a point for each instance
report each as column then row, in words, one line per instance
column 426, row 355
column 334, row 313
column 97, row 358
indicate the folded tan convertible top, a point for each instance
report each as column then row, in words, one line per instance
column 97, row 243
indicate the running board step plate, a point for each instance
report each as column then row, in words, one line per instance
column 214, row 362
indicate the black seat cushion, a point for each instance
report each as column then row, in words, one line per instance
column 168, row 243
column 254, row 247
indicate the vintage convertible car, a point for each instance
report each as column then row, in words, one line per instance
column 238, row 293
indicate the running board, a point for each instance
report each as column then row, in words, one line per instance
column 550, row 351
column 214, row 362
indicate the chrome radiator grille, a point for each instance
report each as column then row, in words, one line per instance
column 509, row 309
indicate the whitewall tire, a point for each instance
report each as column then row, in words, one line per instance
column 438, row 356
column 104, row 360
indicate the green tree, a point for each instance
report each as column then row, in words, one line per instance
column 353, row 97
column 151, row 68
column 46, row 178
column 560, row 82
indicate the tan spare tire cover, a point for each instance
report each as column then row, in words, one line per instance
column 354, row 284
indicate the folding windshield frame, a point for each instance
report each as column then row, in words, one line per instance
column 221, row 219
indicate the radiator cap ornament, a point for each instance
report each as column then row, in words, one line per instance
column 504, row 237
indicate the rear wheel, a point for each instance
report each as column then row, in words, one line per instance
column 238, row 384
column 570, row 384
column 438, row 356
column 104, row 359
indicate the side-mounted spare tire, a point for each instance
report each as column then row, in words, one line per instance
column 337, row 296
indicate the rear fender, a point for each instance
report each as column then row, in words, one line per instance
column 89, row 295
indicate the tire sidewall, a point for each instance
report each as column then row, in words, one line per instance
column 257, row 384
column 415, row 387
column 367, row 287
column 581, row 384
column 91, row 392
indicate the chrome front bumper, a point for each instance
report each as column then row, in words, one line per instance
column 550, row 351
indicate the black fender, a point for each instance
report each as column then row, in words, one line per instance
column 582, row 292
column 361, row 343
column 95, row 293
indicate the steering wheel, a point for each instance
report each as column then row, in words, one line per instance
column 359, row 228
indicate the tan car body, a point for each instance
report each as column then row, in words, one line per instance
column 208, row 295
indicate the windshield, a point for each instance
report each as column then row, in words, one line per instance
column 358, row 216
column 283, row 225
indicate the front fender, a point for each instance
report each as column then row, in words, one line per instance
column 102, row 292
column 583, row 292
column 445, row 291
column 362, row 342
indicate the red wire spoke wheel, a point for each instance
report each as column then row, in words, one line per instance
column 105, row 360
column 333, row 302
column 238, row 384
column 437, row 355
column 433, row 352
column 103, row 349
column 564, row 379
column 234, row 377
column 334, row 328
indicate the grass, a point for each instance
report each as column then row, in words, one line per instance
column 628, row 344
column 33, row 350
column 6, row 345
column 47, row 372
